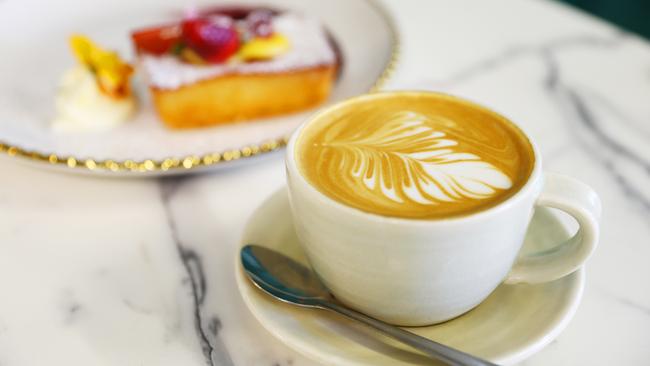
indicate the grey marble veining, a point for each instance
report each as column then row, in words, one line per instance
column 513, row 52
column 207, row 329
column 141, row 272
column 578, row 105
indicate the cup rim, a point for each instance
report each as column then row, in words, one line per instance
column 292, row 168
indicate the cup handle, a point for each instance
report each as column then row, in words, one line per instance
column 578, row 200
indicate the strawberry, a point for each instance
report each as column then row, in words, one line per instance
column 157, row 40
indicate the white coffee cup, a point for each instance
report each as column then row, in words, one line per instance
column 418, row 272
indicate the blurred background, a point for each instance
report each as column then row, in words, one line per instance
column 632, row 15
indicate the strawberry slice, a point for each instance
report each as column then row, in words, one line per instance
column 156, row 40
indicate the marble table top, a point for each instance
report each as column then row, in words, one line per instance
column 141, row 272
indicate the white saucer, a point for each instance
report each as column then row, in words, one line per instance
column 363, row 30
column 511, row 325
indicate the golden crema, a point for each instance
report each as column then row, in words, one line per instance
column 414, row 155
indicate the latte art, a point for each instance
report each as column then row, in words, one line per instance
column 416, row 157
column 434, row 171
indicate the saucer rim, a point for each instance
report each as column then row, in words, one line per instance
column 573, row 298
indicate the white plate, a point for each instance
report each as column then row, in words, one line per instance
column 509, row 326
column 35, row 55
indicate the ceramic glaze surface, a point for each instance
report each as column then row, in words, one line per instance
column 331, row 339
column 420, row 272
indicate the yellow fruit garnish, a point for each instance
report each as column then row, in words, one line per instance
column 111, row 73
column 192, row 57
column 260, row 48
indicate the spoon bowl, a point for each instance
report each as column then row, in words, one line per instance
column 282, row 277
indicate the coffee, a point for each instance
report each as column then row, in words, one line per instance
column 414, row 155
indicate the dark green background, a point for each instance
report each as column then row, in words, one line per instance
column 632, row 15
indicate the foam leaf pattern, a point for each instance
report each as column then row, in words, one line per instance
column 407, row 159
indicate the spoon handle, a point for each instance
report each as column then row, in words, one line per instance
column 433, row 349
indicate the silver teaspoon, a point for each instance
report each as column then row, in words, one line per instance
column 291, row 282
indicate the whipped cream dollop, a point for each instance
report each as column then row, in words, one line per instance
column 81, row 105
column 309, row 47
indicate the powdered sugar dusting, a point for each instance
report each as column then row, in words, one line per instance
column 309, row 48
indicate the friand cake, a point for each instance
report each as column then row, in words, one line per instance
column 234, row 64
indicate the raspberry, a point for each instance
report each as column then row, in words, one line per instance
column 215, row 39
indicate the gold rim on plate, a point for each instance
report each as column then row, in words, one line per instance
column 194, row 162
